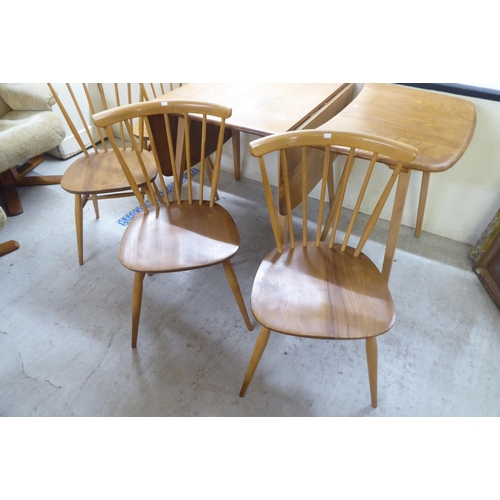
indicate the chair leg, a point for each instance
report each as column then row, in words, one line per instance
column 235, row 287
column 258, row 350
column 372, row 361
column 136, row 306
column 79, row 227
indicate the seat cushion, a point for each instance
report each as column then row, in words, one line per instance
column 321, row 293
column 24, row 134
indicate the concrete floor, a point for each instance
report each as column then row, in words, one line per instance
column 65, row 329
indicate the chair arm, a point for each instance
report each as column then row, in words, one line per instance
column 27, row 96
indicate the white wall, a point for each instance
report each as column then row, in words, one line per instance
column 461, row 201
column 464, row 199
column 69, row 145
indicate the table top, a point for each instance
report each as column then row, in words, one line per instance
column 263, row 108
column 439, row 126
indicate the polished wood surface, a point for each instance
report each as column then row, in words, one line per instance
column 267, row 108
column 315, row 288
column 320, row 293
column 191, row 230
column 439, row 126
column 8, row 247
column 179, row 238
column 102, row 173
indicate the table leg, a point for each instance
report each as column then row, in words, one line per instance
column 421, row 202
column 235, row 137
column 397, row 217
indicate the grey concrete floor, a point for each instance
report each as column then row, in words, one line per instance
column 65, row 329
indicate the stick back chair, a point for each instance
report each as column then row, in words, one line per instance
column 312, row 286
column 150, row 91
column 97, row 175
column 191, row 232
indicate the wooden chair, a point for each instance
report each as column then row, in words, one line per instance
column 192, row 232
column 312, row 287
column 97, row 175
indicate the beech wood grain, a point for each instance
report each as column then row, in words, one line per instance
column 321, row 293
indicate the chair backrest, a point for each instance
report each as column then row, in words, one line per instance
column 79, row 101
column 325, row 148
column 178, row 131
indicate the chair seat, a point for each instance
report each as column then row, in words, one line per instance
column 321, row 293
column 182, row 237
column 102, row 173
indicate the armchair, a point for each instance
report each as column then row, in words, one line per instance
column 28, row 128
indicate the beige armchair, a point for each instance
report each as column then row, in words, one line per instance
column 28, row 128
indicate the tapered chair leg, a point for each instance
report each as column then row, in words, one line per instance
column 235, row 287
column 258, row 350
column 79, row 227
column 372, row 361
column 136, row 306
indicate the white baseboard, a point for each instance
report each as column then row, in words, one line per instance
column 69, row 146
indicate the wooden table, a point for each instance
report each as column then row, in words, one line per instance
column 269, row 108
column 439, row 126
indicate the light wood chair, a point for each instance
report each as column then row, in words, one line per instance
column 315, row 288
column 97, row 175
column 191, row 232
